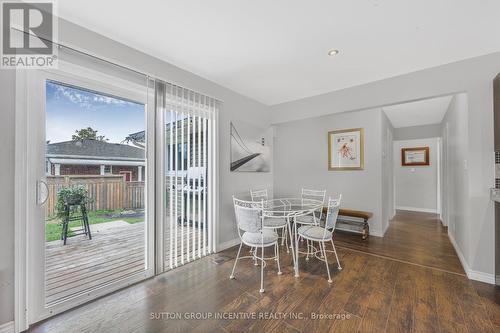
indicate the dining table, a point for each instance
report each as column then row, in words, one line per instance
column 290, row 209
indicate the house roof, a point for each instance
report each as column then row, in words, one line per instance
column 94, row 149
column 138, row 136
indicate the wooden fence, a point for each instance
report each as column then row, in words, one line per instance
column 108, row 192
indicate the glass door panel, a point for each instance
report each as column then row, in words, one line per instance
column 91, row 227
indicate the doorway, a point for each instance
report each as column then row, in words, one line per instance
column 417, row 185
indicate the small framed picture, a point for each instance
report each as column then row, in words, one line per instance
column 346, row 149
column 415, row 156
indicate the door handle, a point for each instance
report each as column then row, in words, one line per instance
column 39, row 192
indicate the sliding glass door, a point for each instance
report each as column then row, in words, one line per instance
column 90, row 144
column 188, row 171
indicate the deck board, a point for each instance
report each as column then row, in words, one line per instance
column 112, row 254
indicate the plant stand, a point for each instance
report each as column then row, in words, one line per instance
column 83, row 218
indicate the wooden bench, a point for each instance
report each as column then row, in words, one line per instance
column 365, row 216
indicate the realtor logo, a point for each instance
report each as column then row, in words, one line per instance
column 27, row 31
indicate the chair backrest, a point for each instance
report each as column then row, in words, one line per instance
column 249, row 214
column 259, row 195
column 333, row 212
column 314, row 195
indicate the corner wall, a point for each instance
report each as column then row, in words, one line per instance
column 455, row 185
column 387, row 186
column 301, row 161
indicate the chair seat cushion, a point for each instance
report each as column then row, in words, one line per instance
column 274, row 222
column 306, row 219
column 255, row 238
column 313, row 232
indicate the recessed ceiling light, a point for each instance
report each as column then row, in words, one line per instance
column 333, row 52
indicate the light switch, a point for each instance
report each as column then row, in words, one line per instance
column 412, row 170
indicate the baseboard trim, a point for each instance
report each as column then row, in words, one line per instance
column 417, row 209
column 226, row 245
column 471, row 274
column 376, row 233
column 481, row 277
column 7, row 327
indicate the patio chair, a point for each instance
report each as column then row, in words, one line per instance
column 249, row 220
column 272, row 221
column 315, row 233
column 312, row 218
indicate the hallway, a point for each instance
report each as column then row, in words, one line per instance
column 412, row 237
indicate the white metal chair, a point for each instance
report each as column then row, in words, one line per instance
column 314, row 217
column 315, row 233
column 259, row 195
column 249, row 219
column 272, row 222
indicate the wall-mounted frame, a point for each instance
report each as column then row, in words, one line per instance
column 346, row 149
column 415, row 156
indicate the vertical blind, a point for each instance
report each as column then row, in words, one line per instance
column 189, row 148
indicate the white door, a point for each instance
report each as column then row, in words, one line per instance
column 65, row 155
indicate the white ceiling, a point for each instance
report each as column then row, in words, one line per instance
column 425, row 112
column 276, row 51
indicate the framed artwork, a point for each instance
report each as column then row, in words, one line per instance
column 415, row 156
column 346, row 149
column 250, row 151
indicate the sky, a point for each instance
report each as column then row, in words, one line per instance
column 69, row 109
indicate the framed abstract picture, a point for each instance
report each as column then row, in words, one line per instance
column 346, row 149
column 250, row 150
column 415, row 156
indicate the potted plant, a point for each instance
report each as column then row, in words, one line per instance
column 76, row 195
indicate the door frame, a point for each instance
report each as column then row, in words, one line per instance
column 70, row 74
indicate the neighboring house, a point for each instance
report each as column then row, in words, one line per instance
column 93, row 157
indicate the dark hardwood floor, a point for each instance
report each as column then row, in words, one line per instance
column 378, row 290
column 413, row 237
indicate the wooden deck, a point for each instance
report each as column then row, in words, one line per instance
column 111, row 254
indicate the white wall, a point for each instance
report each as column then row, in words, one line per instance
column 7, row 91
column 417, row 132
column 235, row 107
column 388, row 203
column 416, row 186
column 473, row 76
column 301, row 160
column 455, row 186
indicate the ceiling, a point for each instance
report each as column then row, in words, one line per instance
column 276, row 51
column 424, row 112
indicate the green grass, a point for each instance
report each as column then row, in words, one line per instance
column 53, row 225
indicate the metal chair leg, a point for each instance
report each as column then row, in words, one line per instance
column 286, row 239
column 322, row 247
column 335, row 251
column 277, row 254
column 235, row 262
column 262, row 272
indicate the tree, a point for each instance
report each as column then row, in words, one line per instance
column 88, row 134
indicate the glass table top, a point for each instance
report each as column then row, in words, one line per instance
column 291, row 205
